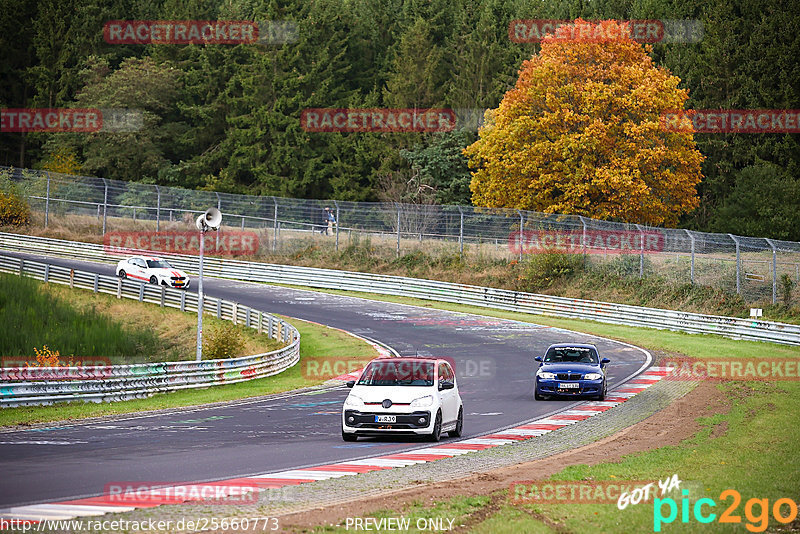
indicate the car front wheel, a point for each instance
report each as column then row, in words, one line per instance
column 536, row 395
column 122, row 274
column 602, row 395
column 436, row 433
column 153, row 280
column 456, row 432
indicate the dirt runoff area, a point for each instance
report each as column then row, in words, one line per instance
column 670, row 426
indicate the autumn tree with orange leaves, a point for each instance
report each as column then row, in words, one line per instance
column 580, row 134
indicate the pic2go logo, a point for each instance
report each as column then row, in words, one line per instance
column 758, row 520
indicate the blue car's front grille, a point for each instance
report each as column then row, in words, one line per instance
column 568, row 376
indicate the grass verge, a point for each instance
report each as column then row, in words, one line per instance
column 81, row 325
column 317, row 343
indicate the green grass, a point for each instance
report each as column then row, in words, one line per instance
column 32, row 317
column 86, row 326
column 315, row 342
column 755, row 454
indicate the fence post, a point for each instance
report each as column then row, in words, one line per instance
column 119, row 288
column 275, row 226
column 47, row 202
column 738, row 265
column 105, row 203
column 461, row 232
column 521, row 225
column 337, row 224
column 47, row 272
column 691, row 237
column 583, row 237
column 158, row 209
column 96, row 284
column 71, row 277
column 219, row 207
column 641, row 253
column 398, row 229
column 774, row 271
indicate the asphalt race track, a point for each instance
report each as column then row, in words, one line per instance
column 494, row 360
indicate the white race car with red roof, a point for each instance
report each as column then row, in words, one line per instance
column 154, row 270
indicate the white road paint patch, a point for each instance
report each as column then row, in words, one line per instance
column 42, row 442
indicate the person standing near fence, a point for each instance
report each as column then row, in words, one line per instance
column 329, row 221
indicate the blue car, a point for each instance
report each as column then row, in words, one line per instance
column 571, row 370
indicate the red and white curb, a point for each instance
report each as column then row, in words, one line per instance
column 124, row 502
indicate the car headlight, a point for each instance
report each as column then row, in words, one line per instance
column 427, row 400
column 545, row 375
column 592, row 376
column 352, row 400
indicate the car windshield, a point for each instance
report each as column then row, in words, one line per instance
column 402, row 373
column 158, row 264
column 571, row 354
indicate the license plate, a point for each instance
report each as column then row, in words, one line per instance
column 385, row 418
column 568, row 385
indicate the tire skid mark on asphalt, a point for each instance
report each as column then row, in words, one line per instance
column 101, row 505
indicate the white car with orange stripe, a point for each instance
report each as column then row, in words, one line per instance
column 154, row 270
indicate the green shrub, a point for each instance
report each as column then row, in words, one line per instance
column 225, row 341
column 787, row 285
column 14, row 211
column 542, row 270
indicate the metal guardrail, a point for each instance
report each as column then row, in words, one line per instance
column 27, row 386
column 517, row 301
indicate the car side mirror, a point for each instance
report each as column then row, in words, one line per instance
column 604, row 361
column 446, row 385
column 350, row 383
column 538, row 358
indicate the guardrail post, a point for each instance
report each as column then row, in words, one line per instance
column 235, row 312
column 337, row 224
column 96, row 284
column 158, row 209
column 641, row 254
column 21, row 267
column 260, row 322
column 105, row 203
column 774, row 270
column 521, row 226
column 47, row 272
column 163, row 295
column 247, row 317
column 219, row 309
column 691, row 237
column 47, row 202
column 461, row 231
column 398, row 229
column 71, row 278
column 119, row 288
column 183, row 301
column 270, row 327
column 141, row 292
column 738, row 264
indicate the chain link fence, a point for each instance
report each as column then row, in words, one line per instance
column 759, row 269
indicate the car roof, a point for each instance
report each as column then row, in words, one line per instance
column 415, row 359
